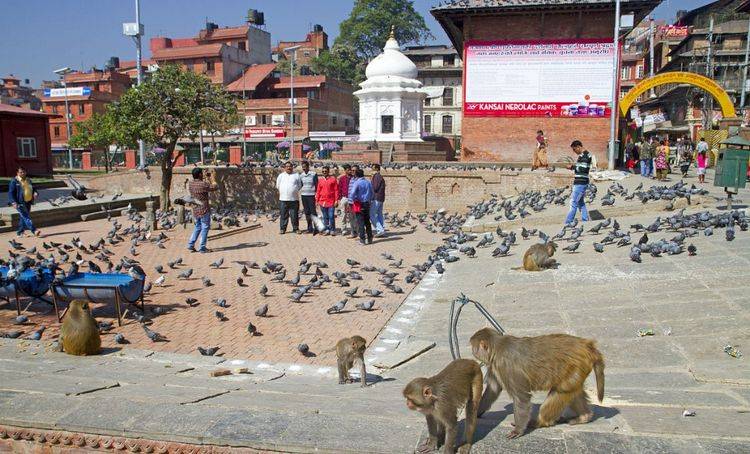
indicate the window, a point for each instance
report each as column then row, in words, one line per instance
column 428, row 123
column 448, row 96
column 346, row 122
column 265, row 119
column 447, row 124
column 241, row 45
column 449, row 60
column 639, row 72
column 306, row 53
column 334, row 120
column 296, row 119
column 428, row 102
column 311, row 94
column 57, row 131
column 81, row 109
column 26, row 147
column 386, row 124
column 625, row 73
column 210, row 67
column 54, row 108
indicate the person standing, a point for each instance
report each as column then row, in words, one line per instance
column 345, row 182
column 199, row 189
column 378, row 199
column 327, row 197
column 21, row 195
column 360, row 196
column 661, row 161
column 686, row 156
column 289, row 184
column 646, row 152
column 309, row 188
column 701, row 162
column 539, row 158
column 580, row 182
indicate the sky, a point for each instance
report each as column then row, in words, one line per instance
column 40, row 36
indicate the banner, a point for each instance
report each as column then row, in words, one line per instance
column 556, row 78
column 72, row 91
column 264, row 133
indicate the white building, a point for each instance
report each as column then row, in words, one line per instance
column 391, row 99
column 440, row 71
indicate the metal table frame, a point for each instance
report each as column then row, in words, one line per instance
column 20, row 293
column 118, row 298
column 460, row 302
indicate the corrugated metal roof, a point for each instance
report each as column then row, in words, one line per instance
column 252, row 76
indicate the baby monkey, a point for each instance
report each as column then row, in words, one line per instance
column 439, row 399
column 349, row 350
column 539, row 257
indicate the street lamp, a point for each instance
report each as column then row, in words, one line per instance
column 135, row 31
column 62, row 72
column 615, row 95
column 293, row 50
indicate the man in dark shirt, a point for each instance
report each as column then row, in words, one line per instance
column 580, row 182
column 378, row 198
column 199, row 190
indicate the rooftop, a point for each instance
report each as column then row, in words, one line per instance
column 252, row 77
column 300, row 82
column 224, row 33
column 177, row 53
column 484, row 4
column 440, row 49
column 13, row 110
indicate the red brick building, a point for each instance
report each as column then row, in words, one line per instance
column 512, row 138
column 324, row 108
column 15, row 94
column 88, row 93
column 221, row 54
column 315, row 42
column 24, row 141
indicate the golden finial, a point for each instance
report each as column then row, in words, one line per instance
column 393, row 32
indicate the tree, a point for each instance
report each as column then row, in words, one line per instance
column 364, row 33
column 170, row 105
column 99, row 132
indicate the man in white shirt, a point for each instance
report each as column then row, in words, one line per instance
column 289, row 183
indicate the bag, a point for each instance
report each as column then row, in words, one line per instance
column 357, row 207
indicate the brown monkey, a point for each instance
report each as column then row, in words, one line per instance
column 539, row 257
column 558, row 363
column 79, row 334
column 440, row 398
column 349, row 350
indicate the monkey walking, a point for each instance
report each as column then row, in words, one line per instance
column 439, row 398
column 348, row 350
column 79, row 334
column 539, row 257
column 558, row 363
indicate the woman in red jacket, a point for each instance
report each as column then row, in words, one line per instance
column 327, row 198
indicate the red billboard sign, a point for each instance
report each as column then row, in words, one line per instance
column 551, row 78
column 264, row 133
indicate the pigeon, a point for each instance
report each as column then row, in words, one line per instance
column 262, row 311
column 244, row 270
column 263, row 290
column 185, row 274
column 692, row 250
column 220, row 316
column 221, row 302
column 37, row 335
column 336, row 308
column 643, row 240
column 729, row 233
column 159, row 269
column 190, row 301
column 206, row 281
column 20, row 320
column 635, row 254
column 366, row 306
column 303, row 348
column 352, row 262
column 210, row 351
column 11, row 334
column 252, row 329
column 240, row 282
column 439, row 268
column 153, row 335
column 352, row 292
column 572, row 247
column 94, row 268
column 217, row 263
column 372, row 292
column 120, row 338
column 296, row 296
column 598, row 247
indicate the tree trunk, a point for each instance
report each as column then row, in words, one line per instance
column 166, row 176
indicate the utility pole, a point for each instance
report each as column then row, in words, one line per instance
column 138, row 61
column 67, row 122
column 651, row 69
column 744, row 70
column 293, row 51
column 615, row 94
column 707, row 99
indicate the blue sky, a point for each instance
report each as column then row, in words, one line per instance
column 42, row 35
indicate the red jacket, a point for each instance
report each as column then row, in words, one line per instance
column 327, row 193
column 343, row 186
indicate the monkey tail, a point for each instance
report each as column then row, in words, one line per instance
column 598, row 370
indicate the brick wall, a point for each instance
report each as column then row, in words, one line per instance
column 412, row 190
column 513, row 139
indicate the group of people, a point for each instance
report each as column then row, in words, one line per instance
column 652, row 157
column 360, row 200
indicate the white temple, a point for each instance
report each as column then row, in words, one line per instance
column 391, row 99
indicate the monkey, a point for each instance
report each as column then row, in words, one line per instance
column 348, row 350
column 539, row 257
column 79, row 334
column 439, row 398
column 558, row 363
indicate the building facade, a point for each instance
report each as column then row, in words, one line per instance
column 315, row 42
column 15, row 94
column 24, row 141
column 440, row 71
column 505, row 130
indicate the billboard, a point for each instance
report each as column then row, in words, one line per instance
column 553, row 78
column 72, row 91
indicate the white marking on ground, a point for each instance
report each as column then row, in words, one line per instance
column 391, row 341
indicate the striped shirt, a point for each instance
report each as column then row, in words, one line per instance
column 582, row 168
column 199, row 190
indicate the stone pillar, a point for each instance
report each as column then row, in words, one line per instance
column 180, row 214
column 235, row 154
column 86, row 160
column 130, row 159
column 150, row 216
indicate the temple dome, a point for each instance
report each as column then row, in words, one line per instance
column 391, row 63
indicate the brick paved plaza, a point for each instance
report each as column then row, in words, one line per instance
column 287, row 325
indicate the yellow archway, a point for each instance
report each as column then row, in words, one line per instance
column 679, row 77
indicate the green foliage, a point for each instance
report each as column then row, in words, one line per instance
column 98, row 132
column 364, row 33
column 284, row 66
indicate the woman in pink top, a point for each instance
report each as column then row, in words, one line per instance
column 702, row 162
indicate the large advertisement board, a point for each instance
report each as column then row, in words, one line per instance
column 556, row 78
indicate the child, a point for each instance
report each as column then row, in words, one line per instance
column 701, row 162
column 661, row 162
